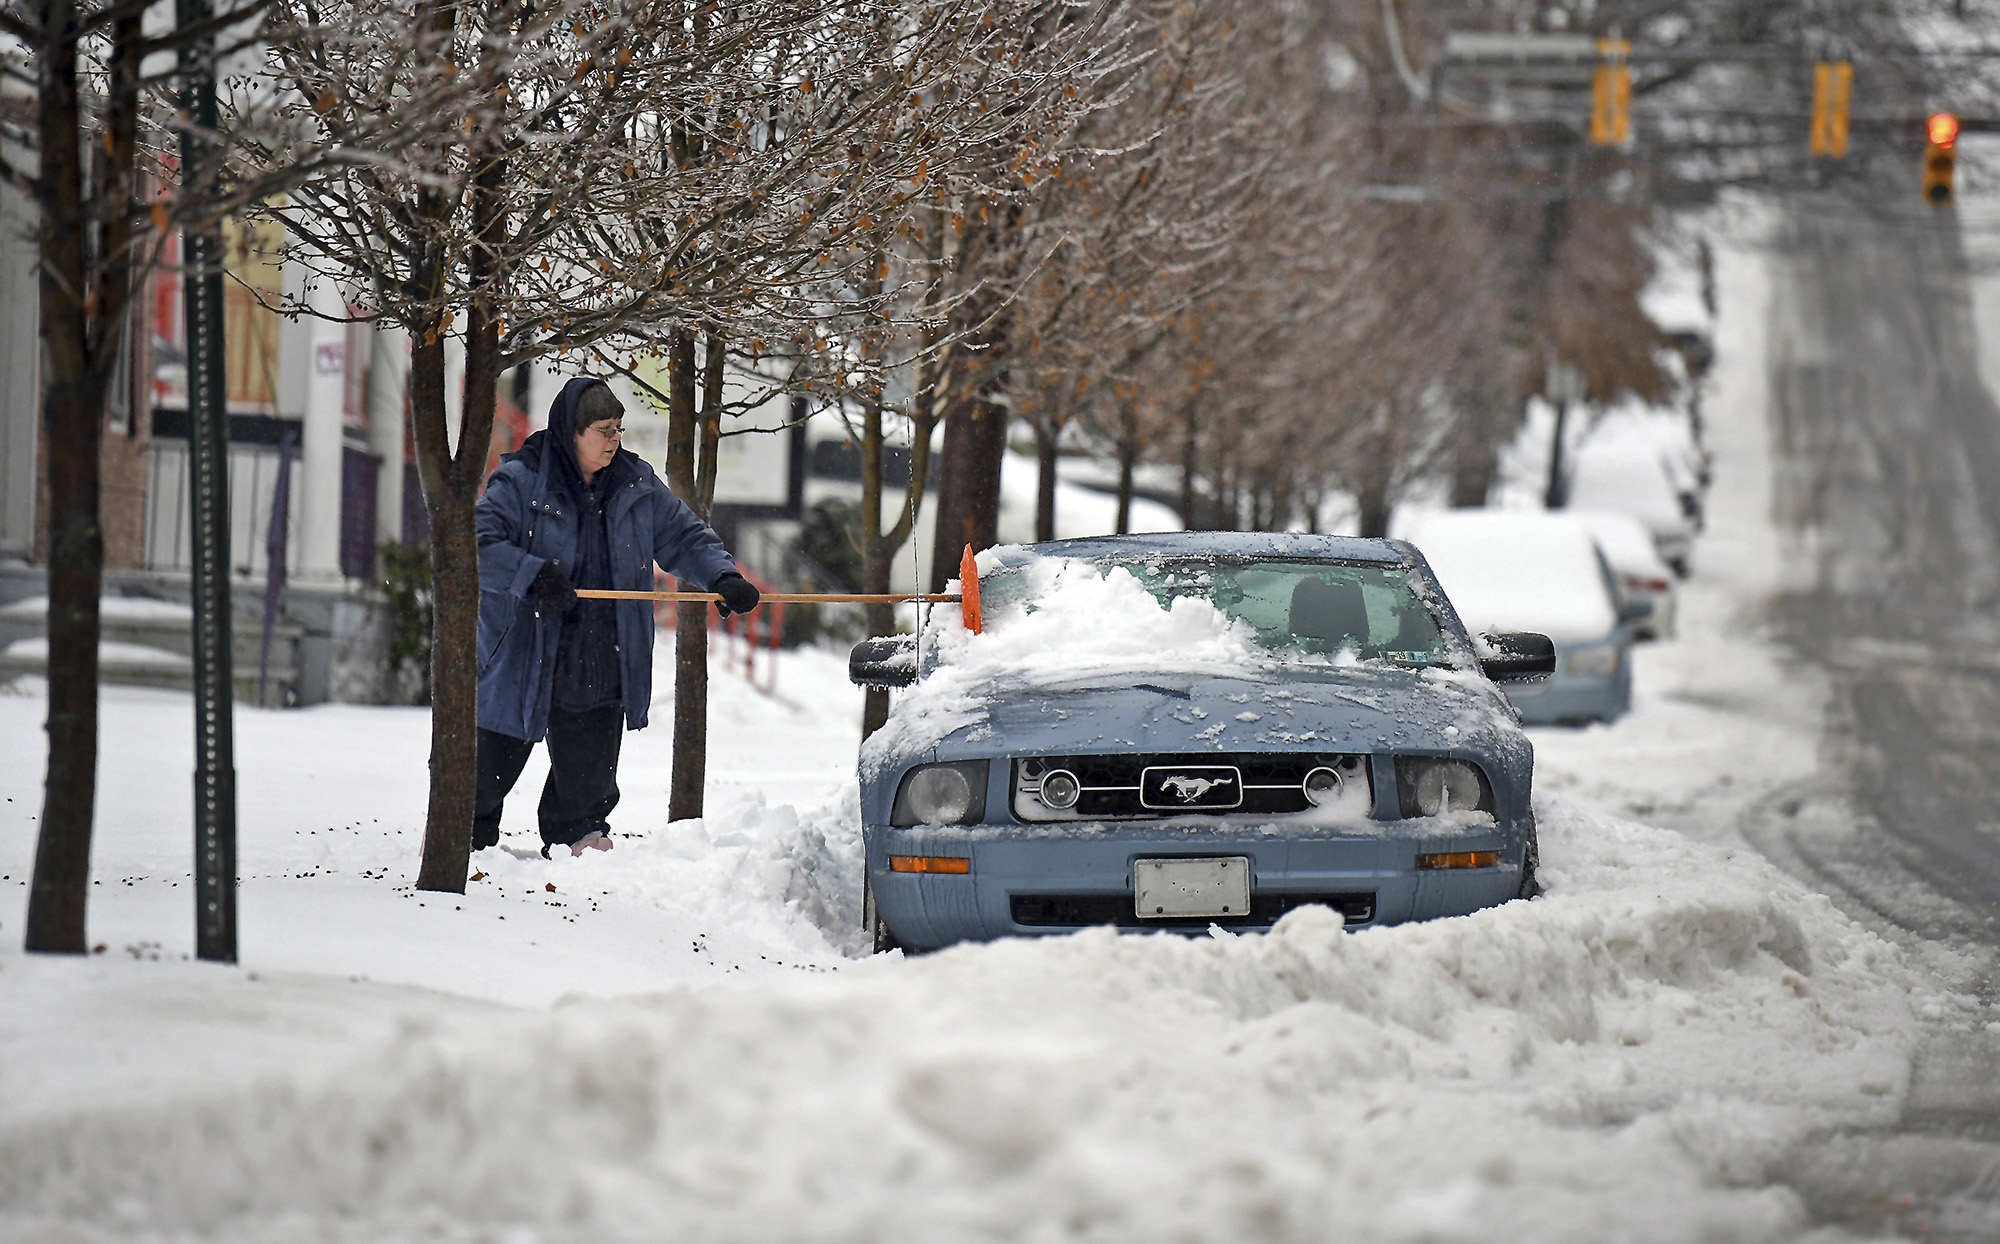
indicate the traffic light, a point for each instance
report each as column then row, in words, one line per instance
column 1611, row 93
column 1940, row 155
column 1833, row 82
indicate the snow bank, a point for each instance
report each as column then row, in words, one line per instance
column 1627, row 1057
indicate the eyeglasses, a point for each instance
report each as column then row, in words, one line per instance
column 609, row 434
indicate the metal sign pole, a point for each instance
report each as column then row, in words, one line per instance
column 208, row 481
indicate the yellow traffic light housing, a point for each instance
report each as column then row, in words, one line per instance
column 1833, row 83
column 1611, row 94
column 1940, row 158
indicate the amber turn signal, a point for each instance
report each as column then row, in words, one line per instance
column 938, row 863
column 1459, row 859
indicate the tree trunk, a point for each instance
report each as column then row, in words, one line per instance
column 1046, row 435
column 1128, row 460
column 452, row 477
column 1474, row 467
column 73, row 430
column 1190, row 444
column 1227, row 497
column 881, row 621
column 975, row 444
column 879, row 544
column 1128, row 454
column 1557, row 491
column 689, row 782
column 874, row 555
column 454, row 693
column 1281, row 503
column 451, row 504
column 690, row 777
column 1374, row 505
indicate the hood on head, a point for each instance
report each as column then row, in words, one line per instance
column 560, row 435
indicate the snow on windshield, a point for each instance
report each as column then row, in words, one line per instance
column 1062, row 616
column 1204, row 609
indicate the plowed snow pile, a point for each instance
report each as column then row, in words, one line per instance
column 1623, row 1058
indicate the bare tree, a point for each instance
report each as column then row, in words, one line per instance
column 97, row 124
column 86, row 283
column 940, row 264
column 1142, row 222
column 659, row 175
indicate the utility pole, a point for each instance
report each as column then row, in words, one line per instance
column 208, row 485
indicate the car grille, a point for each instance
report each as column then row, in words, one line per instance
column 1085, row 910
column 1126, row 785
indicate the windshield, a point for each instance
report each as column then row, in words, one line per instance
column 1292, row 608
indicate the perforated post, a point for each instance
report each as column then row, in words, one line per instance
column 208, row 486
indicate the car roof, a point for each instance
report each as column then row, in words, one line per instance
column 1519, row 570
column 1213, row 543
column 1624, row 540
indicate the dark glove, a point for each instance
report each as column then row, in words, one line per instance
column 739, row 595
column 553, row 588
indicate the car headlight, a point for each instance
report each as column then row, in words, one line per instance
column 1430, row 786
column 947, row 794
column 1598, row 662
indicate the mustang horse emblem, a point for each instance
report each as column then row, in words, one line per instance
column 1189, row 789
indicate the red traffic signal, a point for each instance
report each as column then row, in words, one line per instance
column 1940, row 155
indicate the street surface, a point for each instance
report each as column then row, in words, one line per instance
column 1886, row 447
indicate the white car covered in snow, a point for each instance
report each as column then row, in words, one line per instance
column 1637, row 475
column 1635, row 563
column 1540, row 572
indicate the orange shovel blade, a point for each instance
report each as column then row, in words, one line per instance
column 968, row 587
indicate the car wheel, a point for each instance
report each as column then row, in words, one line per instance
column 879, row 936
column 1531, row 862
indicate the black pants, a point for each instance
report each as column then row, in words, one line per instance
column 583, row 776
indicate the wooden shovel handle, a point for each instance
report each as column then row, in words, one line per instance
column 785, row 598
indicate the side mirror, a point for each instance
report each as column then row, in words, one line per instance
column 1517, row 657
column 1635, row 610
column 886, row 661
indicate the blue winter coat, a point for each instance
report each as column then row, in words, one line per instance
column 526, row 520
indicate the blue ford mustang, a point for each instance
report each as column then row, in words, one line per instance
column 1331, row 736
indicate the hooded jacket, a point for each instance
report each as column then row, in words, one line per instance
column 527, row 518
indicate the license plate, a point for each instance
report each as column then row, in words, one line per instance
column 1164, row 889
